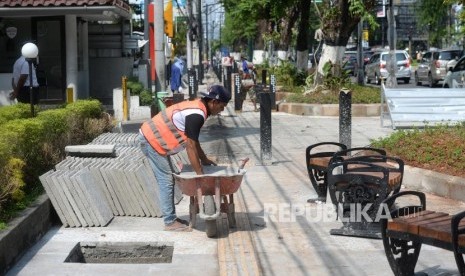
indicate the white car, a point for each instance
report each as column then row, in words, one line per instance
column 376, row 69
column 455, row 78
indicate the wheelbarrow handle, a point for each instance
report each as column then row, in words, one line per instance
column 243, row 164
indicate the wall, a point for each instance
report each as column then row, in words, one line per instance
column 105, row 74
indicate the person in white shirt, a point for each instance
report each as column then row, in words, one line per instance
column 21, row 82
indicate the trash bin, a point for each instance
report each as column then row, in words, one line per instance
column 160, row 103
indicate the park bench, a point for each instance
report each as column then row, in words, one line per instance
column 406, row 107
column 318, row 157
column 357, row 187
column 411, row 226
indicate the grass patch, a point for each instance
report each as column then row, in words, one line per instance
column 360, row 95
column 439, row 148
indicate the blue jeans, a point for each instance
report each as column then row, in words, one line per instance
column 162, row 170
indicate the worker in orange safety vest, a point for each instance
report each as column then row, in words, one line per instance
column 169, row 132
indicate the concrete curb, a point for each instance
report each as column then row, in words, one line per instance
column 24, row 231
column 358, row 110
column 434, row 182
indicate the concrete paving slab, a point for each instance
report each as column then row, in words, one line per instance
column 98, row 180
column 111, row 188
column 48, row 187
column 140, row 194
column 95, row 197
column 63, row 182
column 77, row 192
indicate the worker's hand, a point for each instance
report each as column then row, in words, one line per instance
column 208, row 162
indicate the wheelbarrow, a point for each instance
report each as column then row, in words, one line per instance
column 211, row 194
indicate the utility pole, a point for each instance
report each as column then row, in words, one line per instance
column 146, row 29
column 391, row 81
column 159, row 35
column 200, row 39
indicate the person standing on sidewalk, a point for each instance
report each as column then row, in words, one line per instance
column 176, row 75
column 169, row 132
column 21, row 82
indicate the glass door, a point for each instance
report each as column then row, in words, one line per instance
column 49, row 33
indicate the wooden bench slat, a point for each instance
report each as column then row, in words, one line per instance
column 441, row 232
column 320, row 161
column 402, row 223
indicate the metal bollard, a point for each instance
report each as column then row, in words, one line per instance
column 265, row 128
column 237, row 92
column 220, row 72
column 345, row 118
column 196, row 82
column 228, row 81
column 191, row 80
column 264, row 77
column 273, row 91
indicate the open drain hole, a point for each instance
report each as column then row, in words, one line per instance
column 121, row 253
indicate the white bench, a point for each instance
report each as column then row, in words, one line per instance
column 407, row 107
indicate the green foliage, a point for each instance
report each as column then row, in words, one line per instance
column 145, row 98
column 137, row 89
column 334, row 77
column 31, row 146
column 135, row 86
column 431, row 19
column 16, row 111
column 434, row 147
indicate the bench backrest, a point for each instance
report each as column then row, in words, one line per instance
column 420, row 106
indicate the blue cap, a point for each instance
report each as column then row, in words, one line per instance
column 217, row 92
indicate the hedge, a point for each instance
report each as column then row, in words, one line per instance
column 31, row 146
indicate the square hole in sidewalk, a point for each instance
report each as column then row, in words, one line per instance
column 121, row 253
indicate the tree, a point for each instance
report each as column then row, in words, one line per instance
column 339, row 19
column 432, row 18
column 259, row 18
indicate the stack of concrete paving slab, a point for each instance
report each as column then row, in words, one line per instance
column 89, row 191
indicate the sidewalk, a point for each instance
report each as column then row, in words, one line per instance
column 259, row 245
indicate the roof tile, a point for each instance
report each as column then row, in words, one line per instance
column 58, row 3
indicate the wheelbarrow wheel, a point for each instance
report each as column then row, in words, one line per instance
column 210, row 225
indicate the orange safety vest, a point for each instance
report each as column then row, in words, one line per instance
column 162, row 133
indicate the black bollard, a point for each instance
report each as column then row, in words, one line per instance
column 237, row 92
column 220, row 72
column 265, row 128
column 264, row 77
column 228, row 82
column 345, row 118
column 196, row 82
column 191, row 80
column 273, row 91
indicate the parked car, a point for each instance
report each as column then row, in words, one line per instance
column 426, row 70
column 366, row 56
column 376, row 69
column 434, row 66
column 349, row 62
column 456, row 76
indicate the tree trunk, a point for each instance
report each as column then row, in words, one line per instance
column 338, row 23
column 285, row 29
column 303, row 34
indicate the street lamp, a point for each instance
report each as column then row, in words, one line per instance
column 30, row 52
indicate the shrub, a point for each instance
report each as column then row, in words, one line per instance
column 31, row 146
column 17, row 111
